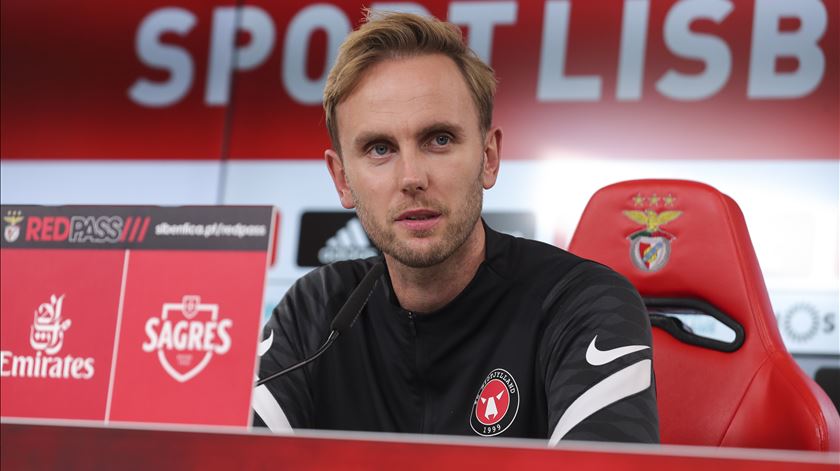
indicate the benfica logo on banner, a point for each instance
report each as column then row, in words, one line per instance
column 12, row 230
column 650, row 248
column 186, row 335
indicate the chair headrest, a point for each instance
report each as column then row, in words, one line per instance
column 676, row 239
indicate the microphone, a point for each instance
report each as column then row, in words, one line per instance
column 342, row 321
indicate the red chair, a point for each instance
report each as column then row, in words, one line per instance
column 685, row 247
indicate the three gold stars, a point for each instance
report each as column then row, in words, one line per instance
column 639, row 200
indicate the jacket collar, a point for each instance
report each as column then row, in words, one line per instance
column 495, row 264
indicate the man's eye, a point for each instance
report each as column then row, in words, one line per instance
column 380, row 149
column 442, row 140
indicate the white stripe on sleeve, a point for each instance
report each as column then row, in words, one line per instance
column 623, row 383
column 270, row 411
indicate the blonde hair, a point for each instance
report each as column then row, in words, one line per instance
column 393, row 35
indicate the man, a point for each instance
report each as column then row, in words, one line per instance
column 469, row 331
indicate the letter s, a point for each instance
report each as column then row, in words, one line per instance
column 224, row 324
column 151, row 345
column 112, row 228
column 88, row 369
column 155, row 54
column 828, row 319
column 712, row 50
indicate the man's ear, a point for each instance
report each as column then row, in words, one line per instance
column 336, row 167
column 492, row 157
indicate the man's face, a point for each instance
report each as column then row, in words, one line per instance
column 414, row 162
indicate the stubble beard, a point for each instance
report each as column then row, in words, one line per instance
column 461, row 223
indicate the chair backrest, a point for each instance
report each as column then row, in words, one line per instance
column 681, row 240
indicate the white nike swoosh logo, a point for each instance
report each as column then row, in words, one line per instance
column 597, row 357
column 265, row 344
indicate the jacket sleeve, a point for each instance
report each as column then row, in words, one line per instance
column 291, row 334
column 597, row 359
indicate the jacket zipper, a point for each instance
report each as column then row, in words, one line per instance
column 422, row 391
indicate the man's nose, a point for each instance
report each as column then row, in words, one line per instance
column 414, row 177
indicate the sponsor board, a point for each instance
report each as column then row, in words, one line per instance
column 146, row 227
column 189, row 332
column 161, row 328
column 58, row 314
column 611, row 79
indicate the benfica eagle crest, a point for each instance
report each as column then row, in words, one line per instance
column 650, row 247
column 12, row 230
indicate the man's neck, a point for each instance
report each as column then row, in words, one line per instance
column 429, row 289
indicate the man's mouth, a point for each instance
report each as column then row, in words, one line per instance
column 419, row 221
column 418, row 215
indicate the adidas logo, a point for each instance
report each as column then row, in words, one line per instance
column 348, row 243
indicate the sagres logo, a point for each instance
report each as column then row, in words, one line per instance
column 46, row 337
column 650, row 247
column 12, row 230
column 186, row 335
column 495, row 405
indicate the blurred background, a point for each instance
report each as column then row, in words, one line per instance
column 219, row 102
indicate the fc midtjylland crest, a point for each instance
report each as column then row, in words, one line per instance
column 650, row 248
column 496, row 404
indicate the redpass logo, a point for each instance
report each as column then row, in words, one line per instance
column 81, row 229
